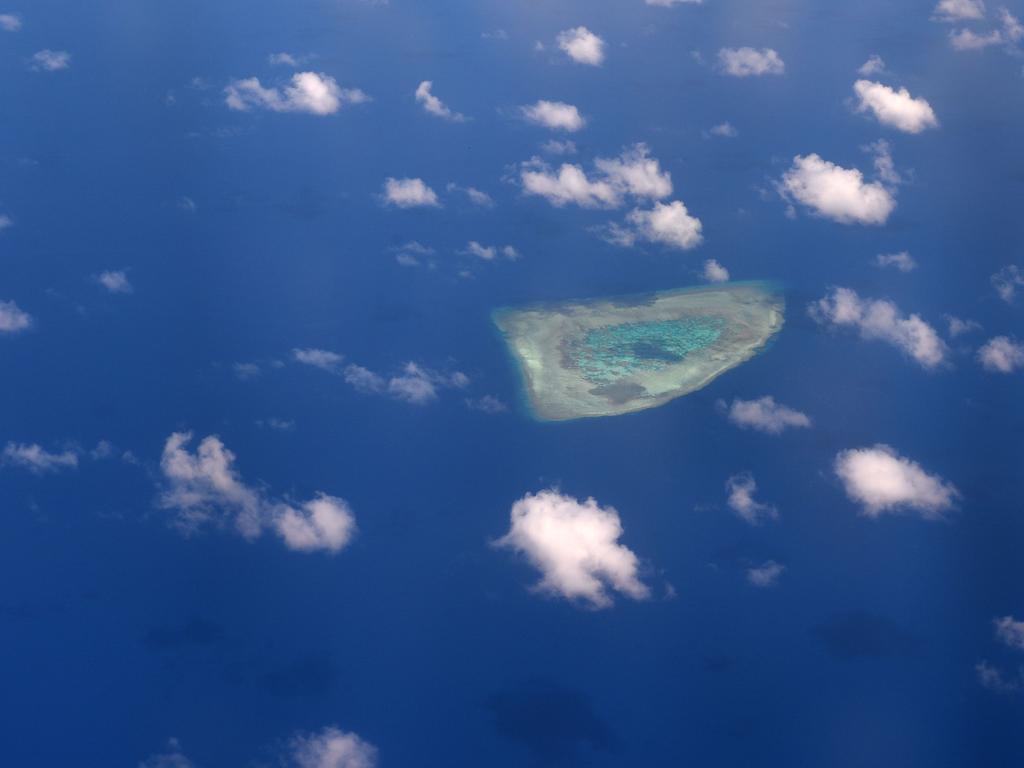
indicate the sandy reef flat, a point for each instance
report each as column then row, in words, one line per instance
column 615, row 355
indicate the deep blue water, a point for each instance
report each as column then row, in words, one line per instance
column 116, row 632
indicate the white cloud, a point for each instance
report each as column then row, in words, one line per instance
column 204, row 487
column 115, row 281
column 670, row 3
column 434, row 105
column 741, row 488
column 37, row 459
column 575, row 547
column 10, row 22
column 903, row 261
column 554, row 147
column 415, row 384
column 13, row 318
column 747, row 62
column 636, row 173
column 881, row 480
column 883, row 162
column 881, row 319
column 172, row 758
column 897, row 109
column 556, row 115
column 332, row 748
column 966, row 40
column 837, row 193
column 765, row 415
column 1006, row 282
column 282, row 60
column 310, row 92
column 50, row 61
column 959, row 10
column 582, row 46
column 715, row 272
column 1001, row 354
column 490, row 252
column 723, row 130
column 1010, row 632
column 993, row 678
column 1012, row 27
column 873, row 66
column 958, row 327
column 319, row 358
column 666, row 223
column 765, row 575
column 409, row 193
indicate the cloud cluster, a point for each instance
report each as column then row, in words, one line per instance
column 765, row 415
column 897, row 109
column 434, row 105
column 741, row 488
column 575, row 547
column 556, row 115
column 750, row 62
column 880, row 319
column 409, row 193
column 50, row 61
column 311, row 92
column 837, row 193
column 881, row 481
column 204, row 487
column 902, row 261
column 13, row 318
column 582, row 46
column 491, row 252
column 1009, row 32
column 37, row 459
column 1001, row 354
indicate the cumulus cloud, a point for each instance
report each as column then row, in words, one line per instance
column 750, row 62
column 10, row 22
column 741, row 488
column 765, row 575
column 311, row 92
column 880, row 319
column 881, row 481
column 582, row 46
column 634, row 173
column 959, row 10
column 967, row 40
column 902, row 261
column 323, row 359
column 37, row 459
column 434, row 105
column 837, row 193
column 1006, row 282
column 1001, row 354
column 204, row 487
column 1010, row 632
column 873, row 66
column 409, row 193
column 897, row 109
column 414, row 384
column 765, row 415
column 715, row 272
column 50, row 61
column 331, row 748
column 575, row 547
column 115, row 281
column 556, row 115
column 13, row 318
column 668, row 224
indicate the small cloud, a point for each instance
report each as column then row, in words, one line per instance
column 434, row 106
column 331, row 748
column 668, row 224
column 575, row 547
column 749, row 62
column 959, row 10
column 1010, row 632
column 556, row 115
column 476, row 196
column 993, row 679
column 246, row 371
column 490, row 252
column 310, row 92
column 409, row 254
column 741, row 488
column 486, row 404
column 722, row 130
column 1006, row 282
column 896, row 109
column 765, row 415
column 670, row 3
column 323, row 359
column 5, row 222
column 496, row 34
column 172, row 757
column 879, row 319
column 836, row 193
column 282, row 60
column 187, row 204
column 765, row 575
column 902, row 261
column 882, row 481
column 715, row 272
column 409, row 193
column 582, row 46
column 115, row 281
column 36, row 459
column 873, row 66
column 12, row 318
column 10, row 22
column 554, row 147
column 50, row 61
column 967, row 40
column 958, row 327
column 1001, row 354
column 276, row 424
